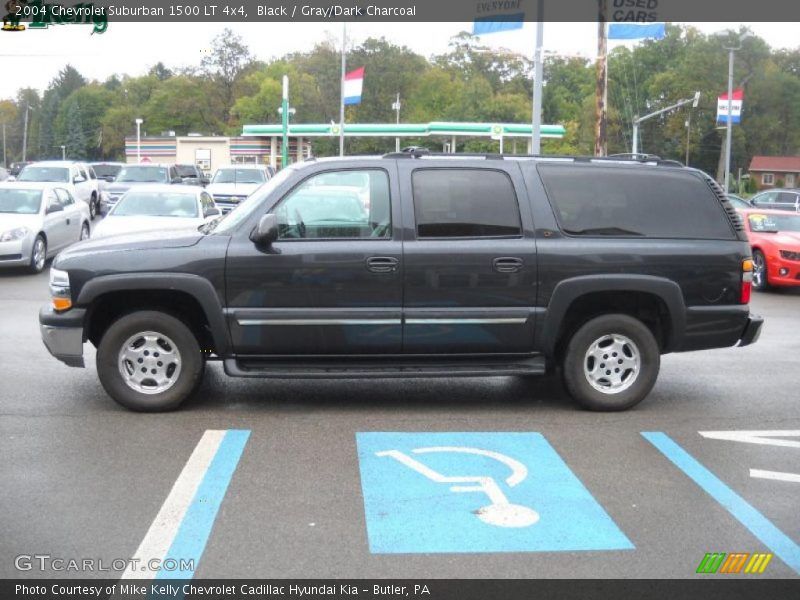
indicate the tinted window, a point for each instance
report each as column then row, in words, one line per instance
column 325, row 206
column 186, row 170
column 64, row 197
column 464, row 203
column 107, row 170
column 787, row 198
column 239, row 176
column 622, row 201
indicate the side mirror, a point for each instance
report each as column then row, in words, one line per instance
column 205, row 181
column 109, row 178
column 211, row 212
column 78, row 179
column 266, row 231
column 176, row 180
column 53, row 208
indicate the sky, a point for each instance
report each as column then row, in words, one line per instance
column 34, row 57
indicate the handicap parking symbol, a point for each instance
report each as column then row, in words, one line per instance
column 476, row 492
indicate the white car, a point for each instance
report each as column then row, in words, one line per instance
column 77, row 177
column 231, row 185
column 37, row 220
column 157, row 208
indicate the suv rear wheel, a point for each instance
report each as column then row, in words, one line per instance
column 149, row 361
column 611, row 363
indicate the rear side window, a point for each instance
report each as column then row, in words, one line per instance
column 634, row 202
column 469, row 203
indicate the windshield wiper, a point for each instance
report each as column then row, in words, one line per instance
column 603, row 231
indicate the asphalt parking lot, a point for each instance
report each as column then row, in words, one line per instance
column 82, row 477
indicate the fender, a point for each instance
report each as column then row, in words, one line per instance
column 198, row 287
column 569, row 290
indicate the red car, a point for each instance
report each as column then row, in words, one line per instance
column 775, row 239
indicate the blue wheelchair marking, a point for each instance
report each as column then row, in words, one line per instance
column 409, row 511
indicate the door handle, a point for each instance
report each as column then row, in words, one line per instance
column 507, row 264
column 67, row 221
column 382, row 264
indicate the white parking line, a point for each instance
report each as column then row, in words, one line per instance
column 161, row 534
column 776, row 475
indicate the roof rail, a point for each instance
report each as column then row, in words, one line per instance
column 416, row 152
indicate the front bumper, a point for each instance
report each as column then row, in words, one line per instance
column 752, row 330
column 16, row 253
column 62, row 334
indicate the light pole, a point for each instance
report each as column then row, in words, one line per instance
column 63, row 152
column 5, row 164
column 729, row 120
column 396, row 107
column 290, row 112
column 139, row 140
column 25, row 134
column 638, row 120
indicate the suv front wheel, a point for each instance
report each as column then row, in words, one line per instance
column 149, row 361
column 611, row 363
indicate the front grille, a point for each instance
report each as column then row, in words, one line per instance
column 789, row 255
column 10, row 256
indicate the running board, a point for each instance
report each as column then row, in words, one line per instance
column 354, row 369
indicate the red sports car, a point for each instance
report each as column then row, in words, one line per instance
column 775, row 239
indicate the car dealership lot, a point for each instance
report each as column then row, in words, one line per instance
column 83, row 478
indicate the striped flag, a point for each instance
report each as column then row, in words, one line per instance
column 353, row 83
column 736, row 107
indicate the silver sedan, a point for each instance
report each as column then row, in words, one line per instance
column 37, row 220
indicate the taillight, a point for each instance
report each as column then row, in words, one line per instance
column 747, row 281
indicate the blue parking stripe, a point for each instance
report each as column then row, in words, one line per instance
column 772, row 537
column 190, row 540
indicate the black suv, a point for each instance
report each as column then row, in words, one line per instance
column 414, row 266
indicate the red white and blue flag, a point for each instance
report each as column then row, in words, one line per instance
column 353, row 83
column 736, row 107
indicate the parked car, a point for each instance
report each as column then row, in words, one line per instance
column 461, row 266
column 15, row 167
column 191, row 175
column 37, row 220
column 775, row 239
column 158, row 208
column 76, row 176
column 778, row 199
column 136, row 175
column 231, row 185
column 107, row 171
column 739, row 202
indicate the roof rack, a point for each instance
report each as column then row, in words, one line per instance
column 414, row 152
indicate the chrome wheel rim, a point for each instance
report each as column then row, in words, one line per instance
column 39, row 254
column 612, row 363
column 149, row 362
column 758, row 270
column 84, row 232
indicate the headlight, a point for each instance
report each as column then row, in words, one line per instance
column 14, row 234
column 789, row 255
column 59, row 289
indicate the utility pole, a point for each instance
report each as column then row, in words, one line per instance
column 25, row 134
column 396, row 107
column 538, row 78
column 5, row 164
column 601, row 83
column 341, row 104
column 688, row 137
column 285, row 123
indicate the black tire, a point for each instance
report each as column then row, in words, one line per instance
column 760, row 279
column 87, row 230
column 633, row 385
column 93, row 207
column 36, row 265
column 167, row 327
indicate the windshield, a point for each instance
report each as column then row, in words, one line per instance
column 232, row 220
column 774, row 223
column 239, row 176
column 56, row 174
column 143, row 174
column 156, row 204
column 186, row 171
column 107, row 170
column 20, row 202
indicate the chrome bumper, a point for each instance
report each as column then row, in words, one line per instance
column 63, row 342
